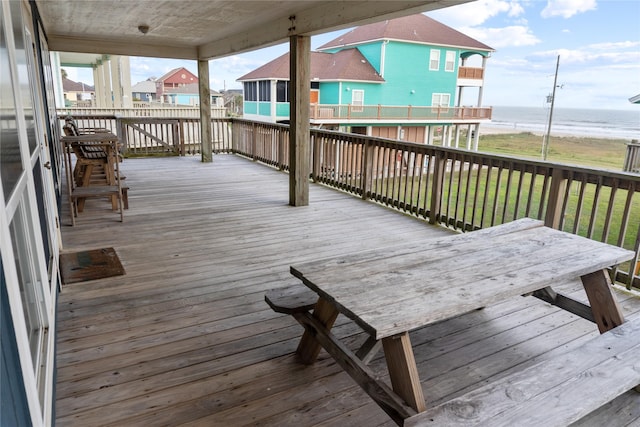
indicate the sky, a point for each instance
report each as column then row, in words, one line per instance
column 598, row 42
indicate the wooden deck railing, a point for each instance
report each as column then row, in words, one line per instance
column 461, row 189
column 342, row 112
column 141, row 110
column 146, row 136
column 464, row 190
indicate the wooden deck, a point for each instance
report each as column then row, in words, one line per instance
column 185, row 337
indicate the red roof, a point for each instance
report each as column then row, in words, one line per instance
column 175, row 71
column 348, row 64
column 414, row 28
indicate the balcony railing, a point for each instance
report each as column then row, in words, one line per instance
column 340, row 113
column 471, row 73
column 143, row 110
column 460, row 189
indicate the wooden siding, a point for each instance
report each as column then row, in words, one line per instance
column 185, row 337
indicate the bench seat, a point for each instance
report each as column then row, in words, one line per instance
column 555, row 392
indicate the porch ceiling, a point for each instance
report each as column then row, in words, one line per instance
column 190, row 29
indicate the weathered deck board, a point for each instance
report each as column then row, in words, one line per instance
column 185, row 337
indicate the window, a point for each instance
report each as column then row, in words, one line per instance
column 264, row 90
column 357, row 100
column 251, row 91
column 440, row 99
column 450, row 61
column 434, row 60
column 282, row 91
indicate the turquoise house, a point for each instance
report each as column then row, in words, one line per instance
column 410, row 78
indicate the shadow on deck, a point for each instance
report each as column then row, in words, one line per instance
column 185, row 337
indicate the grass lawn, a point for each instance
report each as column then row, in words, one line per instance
column 592, row 152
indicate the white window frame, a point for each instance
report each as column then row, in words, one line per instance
column 438, row 100
column 434, row 60
column 357, row 100
column 450, row 61
column 21, row 209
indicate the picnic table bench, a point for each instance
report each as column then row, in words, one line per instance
column 393, row 291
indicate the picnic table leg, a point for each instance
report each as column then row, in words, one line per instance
column 309, row 347
column 403, row 371
column 604, row 306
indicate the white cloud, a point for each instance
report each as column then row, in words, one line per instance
column 567, row 8
column 614, row 45
column 476, row 13
column 512, row 36
column 588, row 55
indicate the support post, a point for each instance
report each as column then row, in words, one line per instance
column 116, row 81
column 98, row 85
column 299, row 144
column 205, row 111
column 125, row 75
column 107, row 101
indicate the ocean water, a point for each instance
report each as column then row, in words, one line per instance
column 619, row 124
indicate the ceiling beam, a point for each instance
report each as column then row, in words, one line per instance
column 88, row 45
column 317, row 20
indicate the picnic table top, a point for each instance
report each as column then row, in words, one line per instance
column 405, row 287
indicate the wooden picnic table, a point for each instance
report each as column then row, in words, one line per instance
column 391, row 291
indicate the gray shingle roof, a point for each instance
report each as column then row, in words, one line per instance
column 348, row 64
column 414, row 28
column 71, row 86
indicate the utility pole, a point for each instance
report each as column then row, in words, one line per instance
column 545, row 141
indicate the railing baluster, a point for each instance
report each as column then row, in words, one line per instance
column 609, row 213
column 594, row 208
column 496, row 196
column 486, row 194
column 507, row 194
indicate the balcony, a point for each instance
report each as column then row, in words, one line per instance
column 470, row 76
column 358, row 114
column 186, row 337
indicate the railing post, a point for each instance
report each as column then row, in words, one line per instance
column 316, row 147
column 367, row 169
column 437, row 187
column 553, row 216
column 235, row 134
column 121, row 130
column 281, row 146
column 254, row 141
column 175, row 134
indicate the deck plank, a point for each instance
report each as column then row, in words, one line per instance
column 185, row 337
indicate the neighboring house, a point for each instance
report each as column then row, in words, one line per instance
column 176, row 78
column 144, row 91
column 77, row 92
column 180, row 87
column 402, row 79
column 189, row 95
